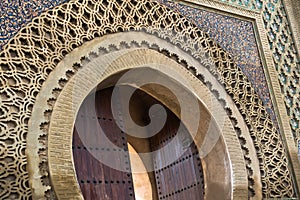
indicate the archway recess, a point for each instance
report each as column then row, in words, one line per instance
column 176, row 172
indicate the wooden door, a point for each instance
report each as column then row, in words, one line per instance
column 97, row 180
column 182, row 178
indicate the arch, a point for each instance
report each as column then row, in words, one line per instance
column 98, row 45
column 66, row 100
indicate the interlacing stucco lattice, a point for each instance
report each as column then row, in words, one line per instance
column 34, row 52
column 276, row 23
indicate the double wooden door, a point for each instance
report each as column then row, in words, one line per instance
column 180, row 179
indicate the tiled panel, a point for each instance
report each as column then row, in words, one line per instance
column 237, row 37
column 14, row 14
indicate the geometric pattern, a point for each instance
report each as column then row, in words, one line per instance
column 10, row 93
column 16, row 14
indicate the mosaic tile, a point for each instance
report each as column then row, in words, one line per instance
column 235, row 36
column 15, row 14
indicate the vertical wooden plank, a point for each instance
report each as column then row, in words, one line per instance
column 183, row 178
column 98, row 181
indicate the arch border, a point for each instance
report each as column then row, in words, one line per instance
column 92, row 54
column 61, row 126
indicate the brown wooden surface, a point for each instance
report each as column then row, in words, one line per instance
column 181, row 179
column 96, row 180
